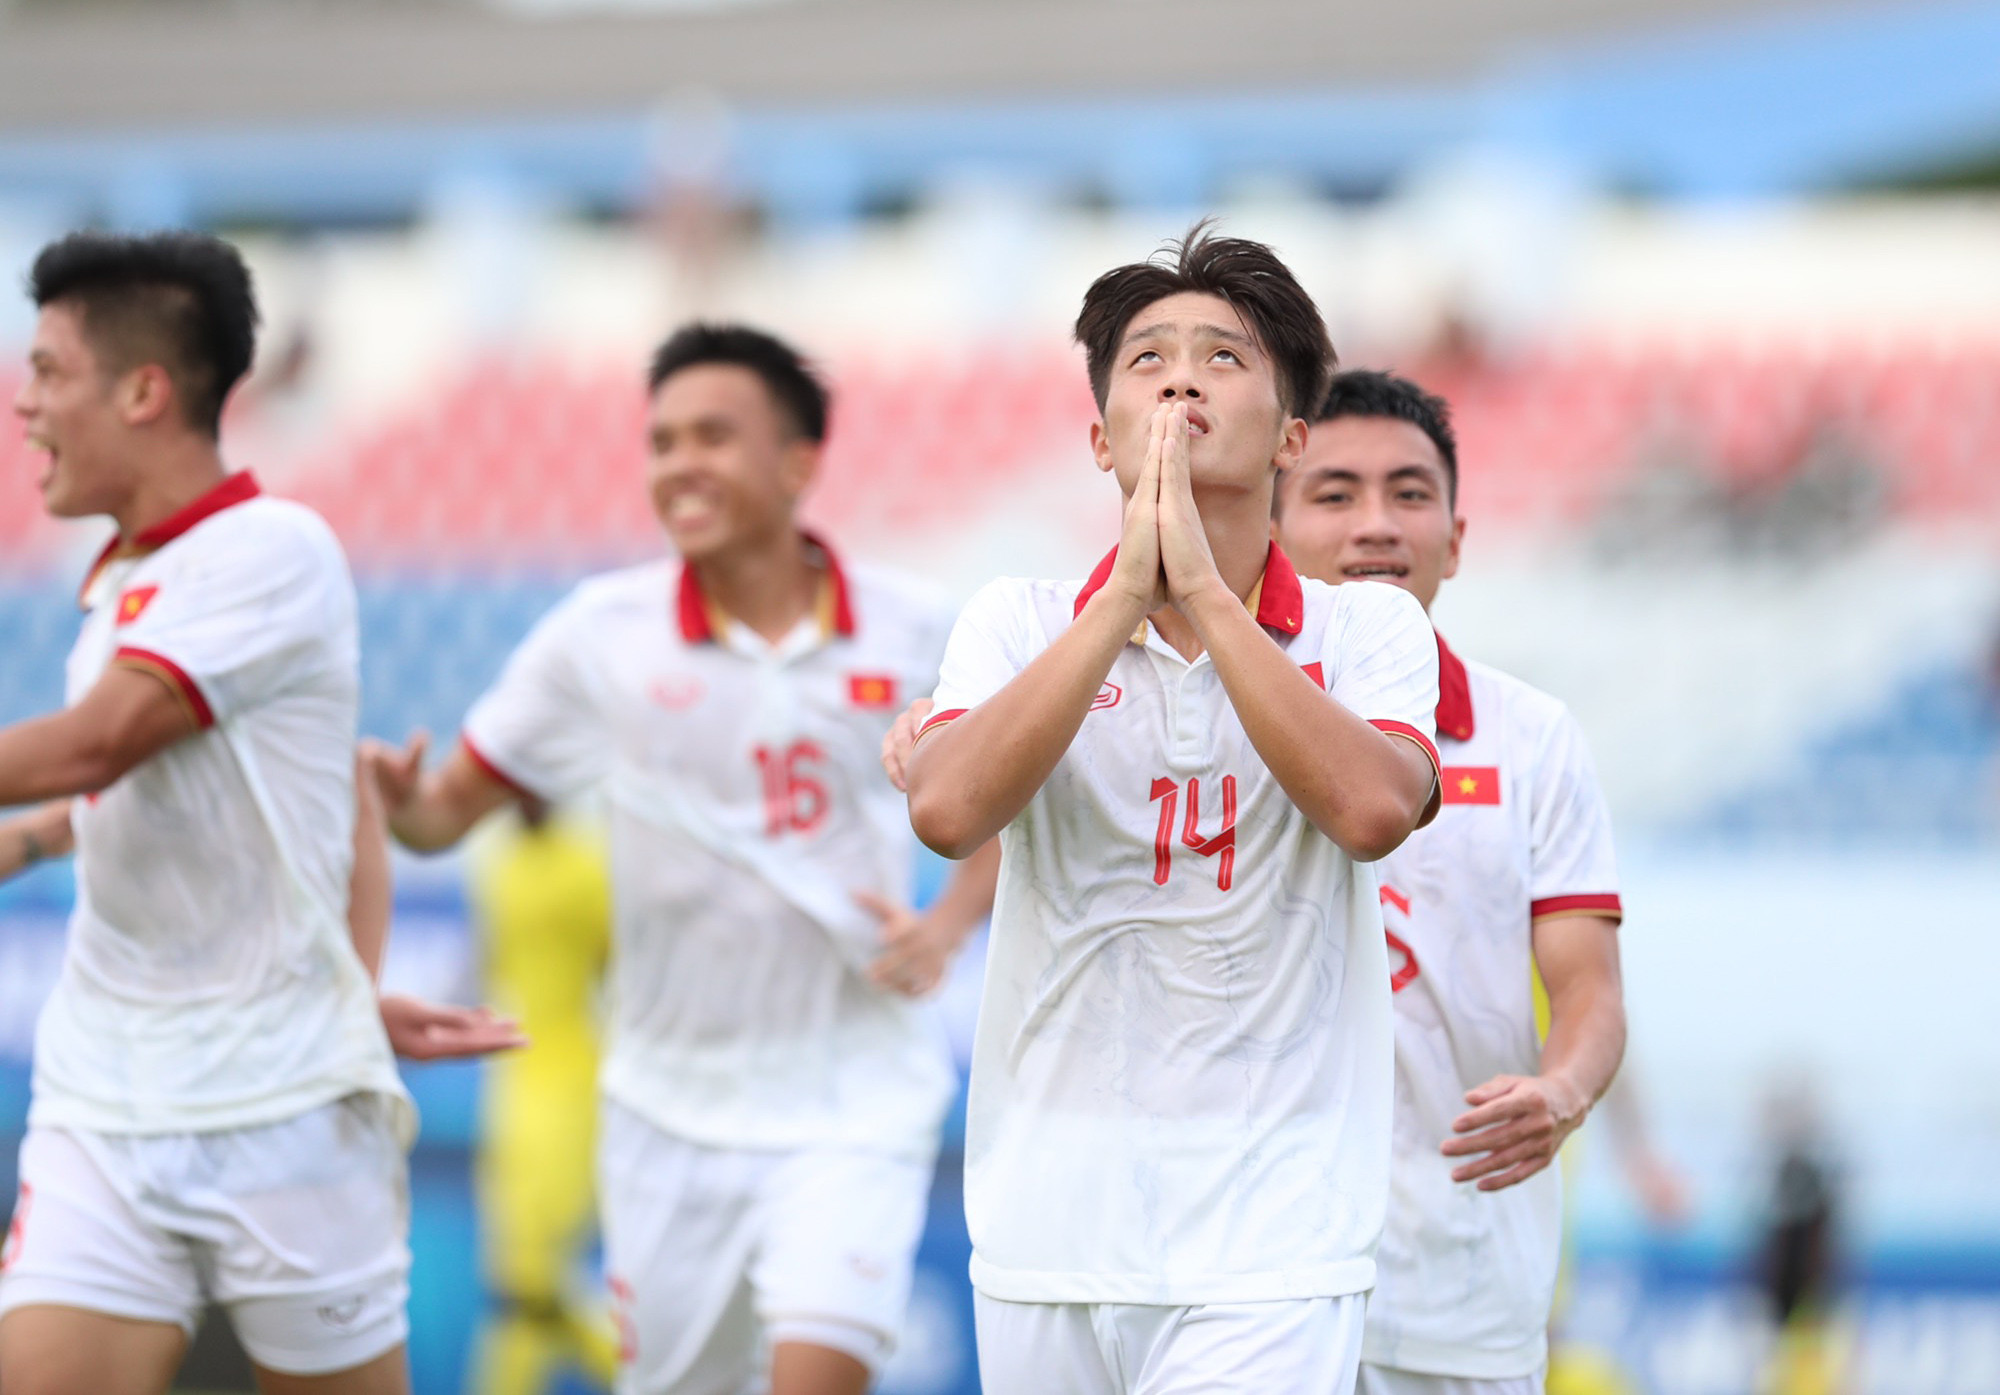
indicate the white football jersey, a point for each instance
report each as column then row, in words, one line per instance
column 748, row 806
column 1182, row 1071
column 1466, row 1277
column 209, row 980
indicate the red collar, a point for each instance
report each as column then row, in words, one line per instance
column 693, row 608
column 1454, row 711
column 236, row 489
column 1281, row 603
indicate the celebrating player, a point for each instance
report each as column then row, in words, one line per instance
column 216, row 1115
column 772, row 1097
column 1514, row 879
column 1178, row 1142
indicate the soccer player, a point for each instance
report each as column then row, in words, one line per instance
column 1514, row 880
column 216, row 1115
column 772, row 1097
column 1178, row 1140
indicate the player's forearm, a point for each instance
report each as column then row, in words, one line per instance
column 35, row 836
column 55, row 757
column 434, row 819
column 1586, row 1038
column 1354, row 782
column 970, row 777
column 371, row 888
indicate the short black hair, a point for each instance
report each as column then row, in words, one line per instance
column 799, row 393
column 1248, row 275
column 1367, row 392
column 181, row 300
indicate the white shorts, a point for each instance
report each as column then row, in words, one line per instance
column 1388, row 1380
column 717, row 1254
column 1306, row 1346
column 298, row 1229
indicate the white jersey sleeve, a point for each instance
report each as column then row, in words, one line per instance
column 1574, row 868
column 245, row 624
column 1381, row 661
column 540, row 728
column 988, row 646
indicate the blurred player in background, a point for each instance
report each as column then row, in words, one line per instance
column 1514, row 883
column 216, row 1115
column 541, row 899
column 1178, row 1140
column 772, row 1097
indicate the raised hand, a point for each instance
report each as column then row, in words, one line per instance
column 395, row 774
column 1186, row 561
column 1136, row 575
column 902, row 740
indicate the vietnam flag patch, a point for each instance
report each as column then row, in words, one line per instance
column 1471, row 784
column 133, row 603
column 872, row 690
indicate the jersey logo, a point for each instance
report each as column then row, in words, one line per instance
column 133, row 603
column 1107, row 696
column 676, row 694
column 1315, row 672
column 1471, row 784
column 872, row 690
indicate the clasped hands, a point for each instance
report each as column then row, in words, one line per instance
column 1163, row 553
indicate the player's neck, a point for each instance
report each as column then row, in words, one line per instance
column 1239, row 535
column 175, row 475
column 769, row 585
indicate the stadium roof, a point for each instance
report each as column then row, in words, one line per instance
column 304, row 111
column 71, row 66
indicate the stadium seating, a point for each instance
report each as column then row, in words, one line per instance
column 469, row 516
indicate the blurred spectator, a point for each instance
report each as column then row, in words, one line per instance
column 541, row 898
column 1799, row 1259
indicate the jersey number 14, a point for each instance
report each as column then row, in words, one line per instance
column 1222, row 846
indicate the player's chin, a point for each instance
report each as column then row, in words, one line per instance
column 700, row 542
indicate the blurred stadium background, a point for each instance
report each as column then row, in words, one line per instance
column 1714, row 286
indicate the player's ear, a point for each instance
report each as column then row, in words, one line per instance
column 1291, row 443
column 1457, row 541
column 144, row 394
column 798, row 464
column 1100, row 445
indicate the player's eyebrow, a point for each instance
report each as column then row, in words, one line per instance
column 1164, row 329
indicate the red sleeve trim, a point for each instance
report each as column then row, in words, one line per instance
column 1430, row 750
column 938, row 719
column 480, row 759
column 1404, row 729
column 175, row 677
column 1605, row 904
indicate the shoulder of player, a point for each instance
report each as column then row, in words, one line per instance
column 1528, row 715
column 874, row 590
column 644, row 586
column 1362, row 605
column 262, row 533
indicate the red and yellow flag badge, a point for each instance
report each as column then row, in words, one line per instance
column 133, row 603
column 871, row 690
column 1471, row 784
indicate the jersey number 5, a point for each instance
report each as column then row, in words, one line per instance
column 1222, row 845
column 795, row 797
